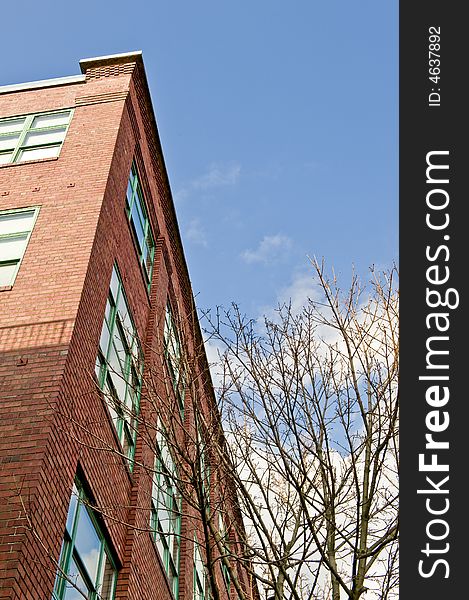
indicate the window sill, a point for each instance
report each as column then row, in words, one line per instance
column 5, row 288
column 29, row 162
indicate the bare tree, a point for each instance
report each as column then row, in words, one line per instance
column 310, row 405
column 290, row 484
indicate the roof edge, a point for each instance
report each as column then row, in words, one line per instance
column 42, row 83
column 111, row 59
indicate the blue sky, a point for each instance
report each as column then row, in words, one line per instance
column 278, row 123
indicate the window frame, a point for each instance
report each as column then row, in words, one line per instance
column 168, row 543
column 124, row 411
column 174, row 356
column 199, row 576
column 27, row 128
column 224, row 539
column 204, row 465
column 137, row 197
column 69, row 552
column 18, row 261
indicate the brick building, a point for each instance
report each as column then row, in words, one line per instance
column 107, row 475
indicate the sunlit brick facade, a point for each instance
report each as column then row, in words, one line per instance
column 95, row 301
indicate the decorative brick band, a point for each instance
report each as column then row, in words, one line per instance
column 110, row 70
column 99, row 98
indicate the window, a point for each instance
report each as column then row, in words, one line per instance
column 226, row 549
column 199, row 574
column 33, row 136
column 15, row 231
column 119, row 365
column 173, row 355
column 166, row 512
column 204, row 468
column 85, row 559
column 140, row 224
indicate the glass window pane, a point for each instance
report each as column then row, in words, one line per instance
column 145, row 254
column 107, row 312
column 37, row 153
column 173, row 548
column 109, row 576
column 121, row 375
column 8, row 142
column 12, row 125
column 114, row 285
column 140, row 205
column 127, row 326
column 119, row 384
column 105, row 337
column 129, row 406
column 114, row 359
column 5, row 158
column 135, row 387
column 111, row 402
column 127, row 441
column 16, row 222
column 160, row 544
column 118, row 340
column 148, row 258
column 98, row 366
column 136, row 355
column 129, row 193
column 51, row 120
column 168, row 518
column 112, row 412
column 84, row 559
column 87, row 543
column 12, row 248
column 122, row 308
column 138, row 225
column 71, row 509
column 150, row 246
column 133, row 174
column 71, row 593
column 7, row 272
column 154, row 490
column 36, row 138
column 163, row 518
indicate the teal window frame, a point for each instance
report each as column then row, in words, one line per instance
column 75, row 567
column 14, row 143
column 199, row 576
column 119, row 365
column 225, row 543
column 140, row 224
column 166, row 513
column 17, row 236
column 173, row 357
column 204, row 467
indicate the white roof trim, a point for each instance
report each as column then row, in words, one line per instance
column 134, row 54
column 111, row 59
column 17, row 87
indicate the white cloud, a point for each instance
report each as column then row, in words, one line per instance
column 218, row 175
column 302, row 288
column 271, row 249
column 195, row 233
column 180, row 195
